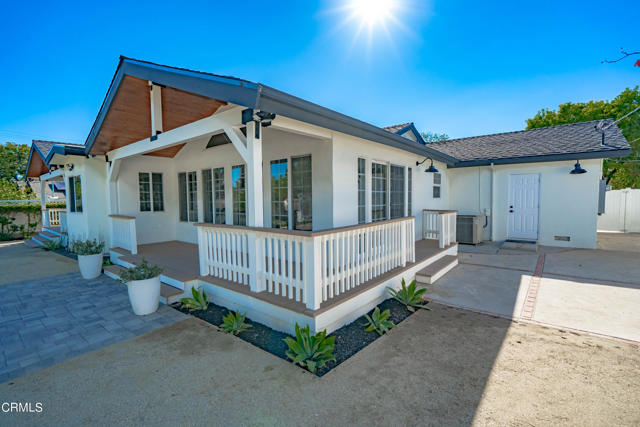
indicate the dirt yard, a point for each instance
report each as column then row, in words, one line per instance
column 445, row 366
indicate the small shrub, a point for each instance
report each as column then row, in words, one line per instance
column 234, row 323
column 198, row 302
column 140, row 272
column 310, row 351
column 87, row 247
column 379, row 322
column 409, row 296
column 51, row 245
column 106, row 262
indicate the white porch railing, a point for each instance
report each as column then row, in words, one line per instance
column 54, row 216
column 440, row 226
column 63, row 221
column 309, row 267
column 123, row 232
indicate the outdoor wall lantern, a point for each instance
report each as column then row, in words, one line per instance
column 577, row 169
column 430, row 169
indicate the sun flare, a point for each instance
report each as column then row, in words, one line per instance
column 373, row 12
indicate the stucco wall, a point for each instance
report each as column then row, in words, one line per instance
column 567, row 204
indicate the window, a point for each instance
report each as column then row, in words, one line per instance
column 279, row 194
column 409, row 190
column 239, row 195
column 207, row 196
column 75, row 194
column 301, row 195
column 188, row 196
column 150, row 191
column 218, row 195
column 397, row 192
column 437, row 180
column 378, row 192
column 362, row 189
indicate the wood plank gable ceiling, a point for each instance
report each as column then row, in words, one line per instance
column 37, row 166
column 129, row 117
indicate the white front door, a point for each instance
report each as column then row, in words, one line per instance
column 524, row 191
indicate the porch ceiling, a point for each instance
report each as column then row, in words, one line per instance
column 129, row 117
column 36, row 167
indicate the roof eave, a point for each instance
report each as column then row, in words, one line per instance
column 544, row 158
column 412, row 127
column 64, row 150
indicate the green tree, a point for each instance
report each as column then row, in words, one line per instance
column 13, row 161
column 10, row 190
column 429, row 136
column 621, row 173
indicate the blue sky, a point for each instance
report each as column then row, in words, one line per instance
column 463, row 68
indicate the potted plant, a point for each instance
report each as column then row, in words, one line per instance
column 143, row 283
column 89, row 257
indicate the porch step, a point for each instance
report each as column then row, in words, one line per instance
column 33, row 243
column 39, row 240
column 53, row 230
column 168, row 293
column 433, row 272
column 50, row 236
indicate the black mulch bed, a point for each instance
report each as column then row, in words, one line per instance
column 350, row 338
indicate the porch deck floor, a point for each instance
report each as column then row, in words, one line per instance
column 179, row 261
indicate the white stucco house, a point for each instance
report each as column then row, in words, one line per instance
column 293, row 212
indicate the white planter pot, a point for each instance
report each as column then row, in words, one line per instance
column 144, row 295
column 90, row 265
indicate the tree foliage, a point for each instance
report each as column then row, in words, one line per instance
column 429, row 136
column 13, row 161
column 621, row 173
column 10, row 190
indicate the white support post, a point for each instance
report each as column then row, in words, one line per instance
column 312, row 272
column 406, row 192
column 367, row 193
column 256, row 262
column 156, row 108
column 43, row 203
column 134, row 238
column 403, row 243
column 202, row 252
column 112, row 187
column 254, row 176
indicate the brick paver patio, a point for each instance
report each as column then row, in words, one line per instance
column 46, row 321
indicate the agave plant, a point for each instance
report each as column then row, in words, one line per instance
column 310, row 351
column 51, row 245
column 379, row 322
column 234, row 323
column 140, row 272
column 198, row 302
column 409, row 296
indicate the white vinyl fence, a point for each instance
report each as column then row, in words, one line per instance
column 621, row 212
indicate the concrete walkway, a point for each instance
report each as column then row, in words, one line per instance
column 596, row 291
column 48, row 320
column 439, row 367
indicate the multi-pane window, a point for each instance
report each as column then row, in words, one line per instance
column 379, row 200
column 239, row 195
column 75, row 194
column 301, row 193
column 409, row 190
column 437, row 180
column 397, row 192
column 218, row 195
column 362, row 191
column 207, row 196
column 150, row 191
column 188, row 196
column 279, row 194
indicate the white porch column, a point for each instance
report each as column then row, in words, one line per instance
column 254, row 177
column 156, row 108
column 43, row 203
column 112, row 187
column 367, row 193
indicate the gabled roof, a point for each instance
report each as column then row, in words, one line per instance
column 563, row 142
column 404, row 128
column 251, row 95
column 38, row 165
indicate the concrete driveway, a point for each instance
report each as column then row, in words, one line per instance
column 590, row 290
column 21, row 262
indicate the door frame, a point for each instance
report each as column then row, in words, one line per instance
column 509, row 237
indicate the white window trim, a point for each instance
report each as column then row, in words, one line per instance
column 74, row 194
column 198, row 201
column 151, row 191
column 289, row 185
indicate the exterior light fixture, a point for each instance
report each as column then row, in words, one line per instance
column 577, row 169
column 430, row 169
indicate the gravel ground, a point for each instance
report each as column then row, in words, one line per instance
column 439, row 367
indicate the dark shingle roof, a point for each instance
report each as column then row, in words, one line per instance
column 396, row 128
column 555, row 140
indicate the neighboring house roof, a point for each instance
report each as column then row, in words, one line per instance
column 403, row 128
column 563, row 142
column 251, row 95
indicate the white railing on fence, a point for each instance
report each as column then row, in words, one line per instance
column 308, row 267
column 123, row 232
column 54, row 216
column 439, row 225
